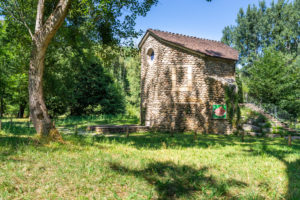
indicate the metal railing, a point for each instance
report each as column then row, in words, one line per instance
column 275, row 111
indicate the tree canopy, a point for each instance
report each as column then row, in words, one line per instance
column 260, row 27
column 267, row 39
column 73, row 60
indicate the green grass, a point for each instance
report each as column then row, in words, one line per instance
column 84, row 121
column 146, row 166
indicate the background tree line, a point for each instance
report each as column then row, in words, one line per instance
column 267, row 38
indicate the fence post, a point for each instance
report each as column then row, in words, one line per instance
column 76, row 131
column 127, row 132
column 290, row 140
column 0, row 124
column 195, row 135
column 28, row 124
column 172, row 132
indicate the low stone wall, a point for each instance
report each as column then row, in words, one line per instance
column 118, row 128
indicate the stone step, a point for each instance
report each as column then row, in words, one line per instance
column 271, row 118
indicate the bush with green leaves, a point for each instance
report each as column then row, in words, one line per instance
column 274, row 79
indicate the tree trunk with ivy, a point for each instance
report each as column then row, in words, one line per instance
column 44, row 32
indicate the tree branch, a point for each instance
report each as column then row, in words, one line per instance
column 29, row 30
column 39, row 15
column 54, row 21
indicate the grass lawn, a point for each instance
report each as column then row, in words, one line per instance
column 145, row 166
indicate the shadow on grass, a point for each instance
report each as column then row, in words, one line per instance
column 11, row 145
column 292, row 167
column 172, row 181
column 17, row 128
column 273, row 147
column 169, row 179
column 16, row 135
column 159, row 140
column 82, row 121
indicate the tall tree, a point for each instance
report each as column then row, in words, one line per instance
column 262, row 26
column 3, row 66
column 41, row 38
column 21, row 11
column 274, row 79
column 14, row 59
column 44, row 32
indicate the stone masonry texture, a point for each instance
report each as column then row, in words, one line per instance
column 178, row 90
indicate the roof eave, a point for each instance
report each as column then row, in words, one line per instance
column 188, row 49
column 177, row 45
column 143, row 39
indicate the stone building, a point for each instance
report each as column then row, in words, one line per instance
column 182, row 77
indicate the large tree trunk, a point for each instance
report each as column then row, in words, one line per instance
column 43, row 35
column 37, row 107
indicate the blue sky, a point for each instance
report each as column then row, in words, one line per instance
column 194, row 17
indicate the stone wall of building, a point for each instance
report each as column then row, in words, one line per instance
column 178, row 88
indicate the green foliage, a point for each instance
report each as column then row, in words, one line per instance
column 267, row 39
column 255, row 117
column 13, row 71
column 3, row 66
column 273, row 80
column 87, row 45
column 123, row 63
column 232, row 103
column 239, row 85
column 114, row 21
column 291, row 101
column 73, row 79
column 262, row 26
column 96, row 87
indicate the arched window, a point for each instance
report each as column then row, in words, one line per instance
column 150, row 55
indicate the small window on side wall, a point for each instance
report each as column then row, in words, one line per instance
column 150, row 55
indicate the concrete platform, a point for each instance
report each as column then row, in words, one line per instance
column 118, row 128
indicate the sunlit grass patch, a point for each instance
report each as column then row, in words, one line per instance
column 148, row 166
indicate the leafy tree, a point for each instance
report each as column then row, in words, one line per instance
column 273, row 80
column 94, row 88
column 42, row 36
column 3, row 66
column 262, row 26
column 267, row 39
column 291, row 101
column 13, row 71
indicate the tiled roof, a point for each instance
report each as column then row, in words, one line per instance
column 204, row 46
